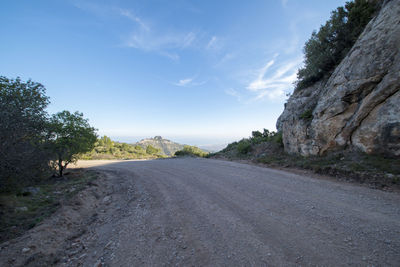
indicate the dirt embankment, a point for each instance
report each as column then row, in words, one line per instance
column 57, row 237
column 375, row 171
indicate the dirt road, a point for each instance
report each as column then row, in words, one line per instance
column 209, row 212
column 201, row 212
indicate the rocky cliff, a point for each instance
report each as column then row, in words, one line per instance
column 358, row 106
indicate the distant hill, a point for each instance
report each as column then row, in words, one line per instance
column 213, row 148
column 167, row 147
column 105, row 148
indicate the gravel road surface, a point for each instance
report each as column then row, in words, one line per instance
column 202, row 212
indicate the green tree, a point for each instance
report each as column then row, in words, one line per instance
column 191, row 151
column 267, row 134
column 256, row 134
column 151, row 150
column 327, row 47
column 70, row 135
column 22, row 132
column 106, row 142
column 244, row 146
column 360, row 13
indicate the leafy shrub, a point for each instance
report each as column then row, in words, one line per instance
column 307, row 115
column 244, row 146
column 230, row 147
column 23, row 126
column 191, row 151
column 266, row 136
column 277, row 138
column 151, row 150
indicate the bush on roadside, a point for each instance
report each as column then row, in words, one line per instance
column 28, row 136
column 244, row 146
column 191, row 151
column 23, row 123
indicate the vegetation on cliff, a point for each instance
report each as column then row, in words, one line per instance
column 356, row 105
column 327, row 47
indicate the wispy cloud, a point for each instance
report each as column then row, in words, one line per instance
column 143, row 36
column 188, row 39
column 215, row 43
column 107, row 11
column 234, row 93
column 189, row 82
column 93, row 8
column 212, row 42
column 128, row 14
column 171, row 55
column 227, row 57
column 184, row 82
column 284, row 3
column 165, row 44
column 154, row 39
column 277, row 82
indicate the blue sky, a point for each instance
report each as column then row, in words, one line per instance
column 197, row 72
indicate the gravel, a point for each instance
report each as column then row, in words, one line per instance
column 204, row 212
column 210, row 212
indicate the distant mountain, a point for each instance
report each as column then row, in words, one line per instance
column 167, row 147
column 213, row 148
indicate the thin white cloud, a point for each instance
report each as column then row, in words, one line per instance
column 154, row 41
column 234, row 93
column 143, row 37
column 284, row 3
column 212, row 42
column 224, row 59
column 93, row 8
column 215, row 43
column 275, row 84
column 165, row 44
column 184, row 82
column 189, row 82
column 170, row 55
column 188, row 39
column 128, row 14
column 109, row 11
column 264, row 69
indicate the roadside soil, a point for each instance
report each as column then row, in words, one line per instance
column 374, row 171
column 373, row 183
column 203, row 212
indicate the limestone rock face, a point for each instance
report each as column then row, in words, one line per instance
column 359, row 104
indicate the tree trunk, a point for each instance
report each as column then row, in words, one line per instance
column 60, row 167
